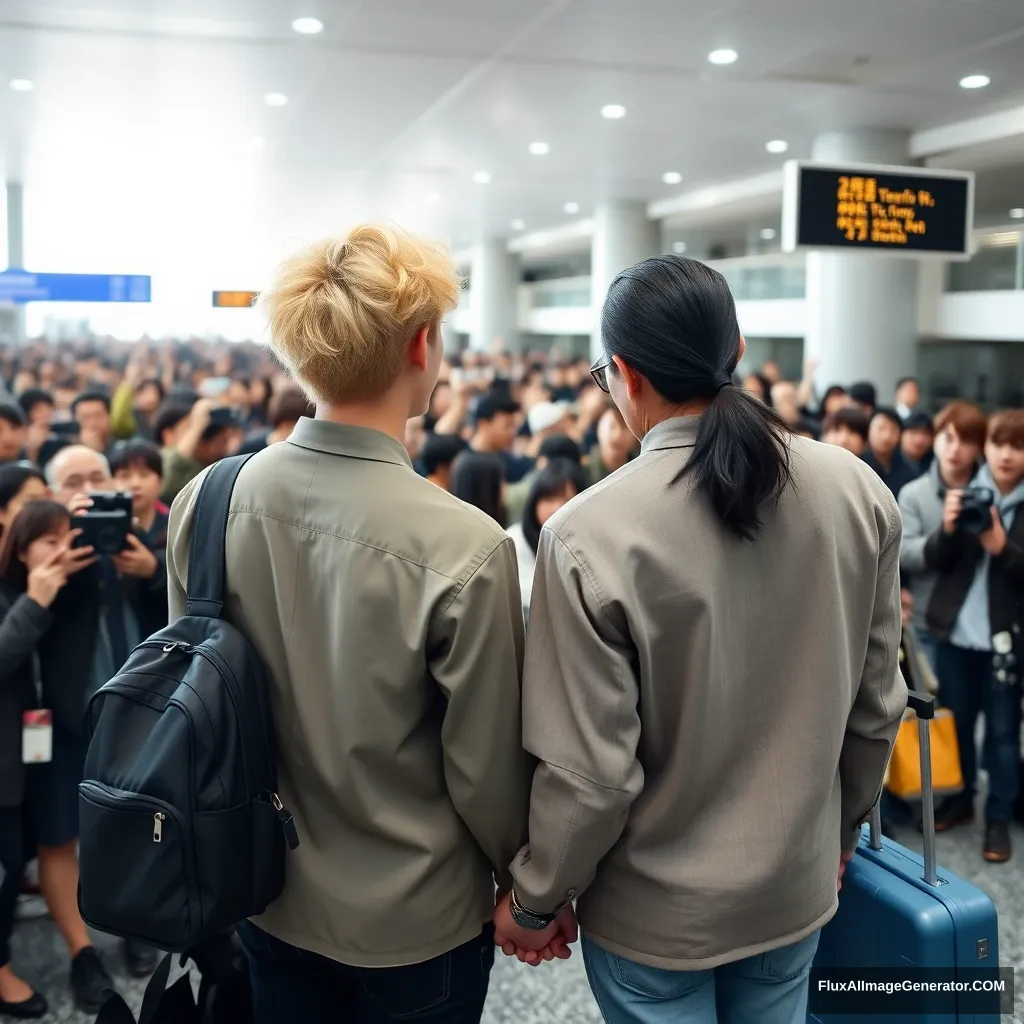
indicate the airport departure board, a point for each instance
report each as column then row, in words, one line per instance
column 234, row 300
column 901, row 210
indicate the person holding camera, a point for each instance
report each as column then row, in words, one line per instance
column 975, row 612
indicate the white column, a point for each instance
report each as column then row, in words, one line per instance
column 13, row 323
column 862, row 308
column 494, row 284
column 623, row 235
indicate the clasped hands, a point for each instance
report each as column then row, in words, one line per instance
column 534, row 947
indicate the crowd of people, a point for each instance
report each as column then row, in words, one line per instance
column 518, row 436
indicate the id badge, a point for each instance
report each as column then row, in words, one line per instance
column 37, row 736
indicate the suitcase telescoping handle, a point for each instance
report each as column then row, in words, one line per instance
column 923, row 705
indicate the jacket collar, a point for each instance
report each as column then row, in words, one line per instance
column 353, row 442
column 675, row 432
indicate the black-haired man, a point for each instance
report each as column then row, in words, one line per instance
column 438, row 453
column 13, row 432
column 91, row 411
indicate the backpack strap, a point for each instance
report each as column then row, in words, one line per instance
column 206, row 561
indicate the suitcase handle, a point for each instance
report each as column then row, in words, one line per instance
column 923, row 705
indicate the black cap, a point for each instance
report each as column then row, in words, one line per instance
column 863, row 393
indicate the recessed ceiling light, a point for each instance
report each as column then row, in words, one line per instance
column 613, row 111
column 767, row 234
column 275, row 99
column 518, row 225
column 671, row 177
column 725, row 56
column 679, row 248
column 1017, row 213
column 540, row 148
column 21, row 85
column 482, row 177
column 571, row 208
column 777, row 146
column 308, row 26
column 974, row 82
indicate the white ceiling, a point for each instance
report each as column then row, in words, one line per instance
column 398, row 99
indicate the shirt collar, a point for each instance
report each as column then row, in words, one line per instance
column 675, row 432
column 353, row 442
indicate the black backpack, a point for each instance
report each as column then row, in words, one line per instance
column 181, row 831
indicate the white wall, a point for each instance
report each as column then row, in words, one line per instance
column 984, row 316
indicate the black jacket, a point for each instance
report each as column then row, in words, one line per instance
column 955, row 556
column 23, row 623
column 901, row 474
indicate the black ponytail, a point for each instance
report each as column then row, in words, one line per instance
column 673, row 320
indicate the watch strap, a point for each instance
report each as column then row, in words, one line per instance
column 528, row 919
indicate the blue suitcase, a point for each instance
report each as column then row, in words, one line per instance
column 896, row 910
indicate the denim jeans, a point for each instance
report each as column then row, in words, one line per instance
column 770, row 988
column 968, row 687
column 292, row 984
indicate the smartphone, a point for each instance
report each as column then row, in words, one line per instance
column 214, row 387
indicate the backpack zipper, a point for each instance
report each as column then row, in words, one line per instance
column 158, row 826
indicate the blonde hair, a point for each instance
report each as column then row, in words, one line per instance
column 343, row 311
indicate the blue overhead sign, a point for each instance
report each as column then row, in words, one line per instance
column 19, row 287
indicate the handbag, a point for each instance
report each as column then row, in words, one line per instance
column 903, row 776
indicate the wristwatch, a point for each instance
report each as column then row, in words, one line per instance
column 530, row 919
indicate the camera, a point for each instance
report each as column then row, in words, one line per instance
column 976, row 510
column 105, row 526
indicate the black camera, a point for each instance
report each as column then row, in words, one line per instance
column 105, row 526
column 976, row 510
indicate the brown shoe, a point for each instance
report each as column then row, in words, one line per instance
column 997, row 848
column 953, row 813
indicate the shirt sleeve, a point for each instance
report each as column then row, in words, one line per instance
column 581, row 719
column 881, row 697
column 477, row 663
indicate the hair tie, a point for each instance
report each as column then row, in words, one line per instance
column 721, row 380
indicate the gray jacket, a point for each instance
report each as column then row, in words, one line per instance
column 921, row 507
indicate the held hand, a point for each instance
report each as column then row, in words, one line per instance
column 136, row 560
column 844, row 859
column 994, row 540
column 951, row 510
column 46, row 580
column 906, row 605
column 201, row 412
column 79, row 504
column 534, row 947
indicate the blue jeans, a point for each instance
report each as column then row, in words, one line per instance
column 968, row 687
column 292, row 984
column 770, row 988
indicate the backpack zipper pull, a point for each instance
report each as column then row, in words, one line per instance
column 291, row 833
column 158, row 826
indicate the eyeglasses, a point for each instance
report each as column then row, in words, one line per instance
column 599, row 371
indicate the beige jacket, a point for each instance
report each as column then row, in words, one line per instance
column 388, row 617
column 713, row 717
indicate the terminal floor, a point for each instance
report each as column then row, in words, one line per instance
column 558, row 993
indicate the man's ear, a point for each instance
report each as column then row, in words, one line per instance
column 743, row 348
column 632, row 379
column 418, row 348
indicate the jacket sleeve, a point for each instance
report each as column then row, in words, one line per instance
column 581, row 719
column 1011, row 561
column 179, row 535
column 122, row 416
column 477, row 645
column 913, row 556
column 23, row 626
column 881, row 697
column 944, row 550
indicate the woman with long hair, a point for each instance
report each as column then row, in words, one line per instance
column 551, row 487
column 479, row 479
column 711, row 684
column 20, row 483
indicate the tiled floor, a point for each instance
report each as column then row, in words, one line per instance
column 558, row 993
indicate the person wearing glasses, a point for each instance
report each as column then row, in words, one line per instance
column 700, row 784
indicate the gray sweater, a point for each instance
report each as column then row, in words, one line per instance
column 921, row 504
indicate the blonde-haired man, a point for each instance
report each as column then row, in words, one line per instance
column 387, row 614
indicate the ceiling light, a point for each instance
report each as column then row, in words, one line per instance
column 767, row 234
column 275, row 99
column 540, row 148
column 613, row 111
column 671, row 177
column 571, row 208
column 777, row 146
column 518, row 225
column 308, row 26
column 482, row 178
column 723, row 56
column 1017, row 213
column 974, row 82
column 679, row 248
column 21, row 85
